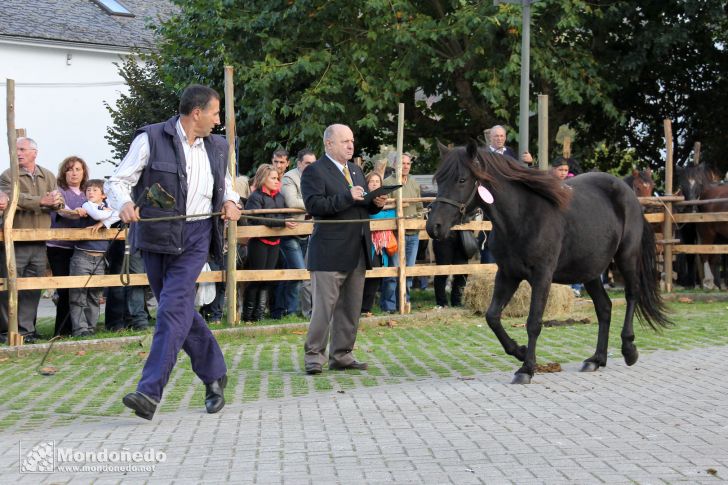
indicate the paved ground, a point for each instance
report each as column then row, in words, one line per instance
column 663, row 421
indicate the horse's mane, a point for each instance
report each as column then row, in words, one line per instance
column 489, row 166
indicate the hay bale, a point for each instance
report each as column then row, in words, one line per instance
column 479, row 291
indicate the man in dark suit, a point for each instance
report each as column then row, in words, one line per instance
column 338, row 254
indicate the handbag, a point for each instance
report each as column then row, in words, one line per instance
column 469, row 242
column 391, row 247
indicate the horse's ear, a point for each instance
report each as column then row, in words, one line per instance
column 472, row 149
column 648, row 171
column 635, row 173
column 444, row 150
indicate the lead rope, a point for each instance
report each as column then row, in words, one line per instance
column 125, row 276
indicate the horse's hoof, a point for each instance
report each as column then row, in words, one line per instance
column 630, row 356
column 521, row 378
column 589, row 366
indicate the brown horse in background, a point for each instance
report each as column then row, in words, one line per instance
column 641, row 182
column 702, row 182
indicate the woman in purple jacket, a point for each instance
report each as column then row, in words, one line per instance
column 72, row 178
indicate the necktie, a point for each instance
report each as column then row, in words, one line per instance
column 347, row 175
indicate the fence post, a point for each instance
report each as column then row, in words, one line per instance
column 8, row 217
column 543, row 132
column 696, row 153
column 401, row 251
column 667, row 224
column 232, row 233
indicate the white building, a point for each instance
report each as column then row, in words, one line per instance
column 60, row 53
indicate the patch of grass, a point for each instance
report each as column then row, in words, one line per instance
column 251, row 391
column 270, row 366
column 275, row 386
column 322, row 383
column 299, row 385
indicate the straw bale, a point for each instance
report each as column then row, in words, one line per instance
column 479, row 291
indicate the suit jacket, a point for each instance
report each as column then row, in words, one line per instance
column 508, row 151
column 291, row 190
column 327, row 197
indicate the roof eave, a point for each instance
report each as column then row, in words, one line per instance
column 64, row 44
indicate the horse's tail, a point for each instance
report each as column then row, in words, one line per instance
column 650, row 307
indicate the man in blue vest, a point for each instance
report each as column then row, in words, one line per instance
column 182, row 157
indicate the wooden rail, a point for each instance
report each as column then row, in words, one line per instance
column 55, row 282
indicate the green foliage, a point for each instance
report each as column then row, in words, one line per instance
column 301, row 65
column 668, row 59
column 612, row 69
column 149, row 101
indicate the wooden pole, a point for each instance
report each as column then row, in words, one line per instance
column 232, row 244
column 9, row 217
column 566, row 152
column 401, row 253
column 543, row 132
column 667, row 224
column 696, row 153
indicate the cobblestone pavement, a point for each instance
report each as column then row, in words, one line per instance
column 665, row 420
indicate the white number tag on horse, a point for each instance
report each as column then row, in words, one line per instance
column 485, row 195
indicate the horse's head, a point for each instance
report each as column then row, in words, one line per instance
column 694, row 179
column 642, row 182
column 456, row 190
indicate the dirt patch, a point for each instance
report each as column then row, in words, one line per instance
column 548, row 368
column 566, row 323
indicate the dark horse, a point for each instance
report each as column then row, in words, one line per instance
column 701, row 182
column 546, row 231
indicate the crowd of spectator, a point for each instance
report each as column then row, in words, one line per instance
column 71, row 200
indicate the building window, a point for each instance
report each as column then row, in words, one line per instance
column 113, row 7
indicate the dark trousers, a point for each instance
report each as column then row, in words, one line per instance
column 260, row 256
column 371, row 285
column 125, row 305
column 30, row 261
column 59, row 260
column 179, row 326
column 288, row 293
column 449, row 251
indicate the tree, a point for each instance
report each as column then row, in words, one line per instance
column 301, row 65
column 149, row 101
column 612, row 69
column 669, row 60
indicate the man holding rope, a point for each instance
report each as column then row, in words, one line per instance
column 181, row 159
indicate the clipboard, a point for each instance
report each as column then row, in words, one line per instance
column 383, row 190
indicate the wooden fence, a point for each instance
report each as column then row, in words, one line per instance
column 52, row 282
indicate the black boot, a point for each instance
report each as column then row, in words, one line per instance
column 250, row 300
column 261, row 305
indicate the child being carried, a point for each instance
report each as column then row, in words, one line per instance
column 88, row 259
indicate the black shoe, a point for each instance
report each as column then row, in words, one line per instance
column 142, row 405
column 354, row 365
column 214, row 397
column 313, row 369
column 30, row 338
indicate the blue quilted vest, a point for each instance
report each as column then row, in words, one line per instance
column 167, row 167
